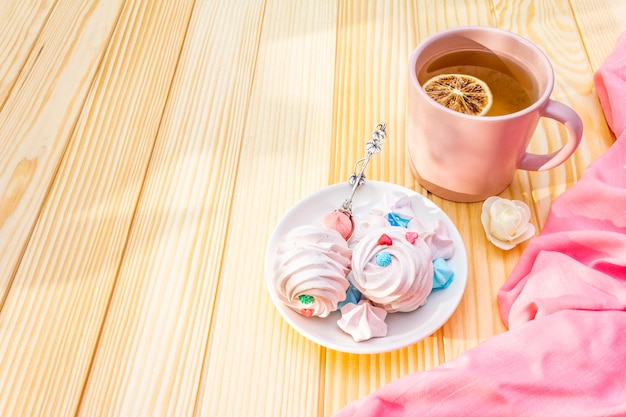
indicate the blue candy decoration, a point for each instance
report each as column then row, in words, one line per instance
column 383, row 258
column 396, row 220
column 443, row 274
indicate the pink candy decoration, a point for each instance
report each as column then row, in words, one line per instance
column 411, row 237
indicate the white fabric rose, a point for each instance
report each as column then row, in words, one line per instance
column 506, row 222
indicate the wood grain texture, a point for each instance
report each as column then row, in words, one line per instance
column 150, row 357
column 21, row 23
column 62, row 289
column 284, row 156
column 40, row 112
column 530, row 19
column 552, row 26
column 370, row 90
column 600, row 23
column 149, row 148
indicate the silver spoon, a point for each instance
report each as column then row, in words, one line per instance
column 341, row 219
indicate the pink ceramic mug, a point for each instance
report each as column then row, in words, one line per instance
column 467, row 158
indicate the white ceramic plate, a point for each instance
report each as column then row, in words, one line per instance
column 403, row 329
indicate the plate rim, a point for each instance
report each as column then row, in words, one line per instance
column 364, row 347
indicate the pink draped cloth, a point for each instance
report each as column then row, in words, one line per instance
column 564, row 304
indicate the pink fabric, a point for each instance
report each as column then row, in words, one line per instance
column 610, row 81
column 564, row 304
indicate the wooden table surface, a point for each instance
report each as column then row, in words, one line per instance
column 147, row 151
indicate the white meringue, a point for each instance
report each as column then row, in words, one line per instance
column 393, row 268
column 394, row 202
column 310, row 270
column 436, row 236
column 363, row 321
column 506, row 222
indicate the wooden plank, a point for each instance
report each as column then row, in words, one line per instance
column 600, row 23
column 39, row 114
column 53, row 315
column 434, row 16
column 153, row 344
column 256, row 365
column 552, row 27
column 349, row 377
column 271, row 102
column 21, row 23
column 477, row 317
column 371, row 35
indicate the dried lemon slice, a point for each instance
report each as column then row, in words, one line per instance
column 460, row 92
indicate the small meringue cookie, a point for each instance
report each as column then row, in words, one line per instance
column 401, row 285
column 436, row 236
column 363, row 321
column 444, row 274
column 310, row 270
column 394, row 202
column 506, row 222
column 340, row 221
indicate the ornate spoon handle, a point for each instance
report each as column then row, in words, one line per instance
column 341, row 218
column 372, row 147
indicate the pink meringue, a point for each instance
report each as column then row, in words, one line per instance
column 339, row 221
column 363, row 321
column 395, row 202
column 436, row 237
column 393, row 270
column 310, row 270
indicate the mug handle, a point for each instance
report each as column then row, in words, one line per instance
column 568, row 117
